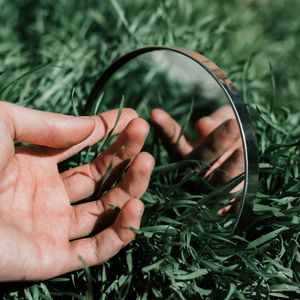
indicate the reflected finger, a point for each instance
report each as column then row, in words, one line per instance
column 217, row 143
column 170, row 130
column 231, row 168
column 224, row 157
column 206, row 125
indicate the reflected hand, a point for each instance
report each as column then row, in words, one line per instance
column 41, row 234
column 218, row 142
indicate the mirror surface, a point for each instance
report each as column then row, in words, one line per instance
column 195, row 137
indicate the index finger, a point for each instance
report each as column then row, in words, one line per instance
column 104, row 123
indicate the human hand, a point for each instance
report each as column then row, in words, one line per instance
column 218, row 142
column 41, row 234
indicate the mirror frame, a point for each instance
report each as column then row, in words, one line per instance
column 241, row 113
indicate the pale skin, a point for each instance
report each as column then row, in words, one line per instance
column 43, row 232
column 218, row 141
column 218, row 144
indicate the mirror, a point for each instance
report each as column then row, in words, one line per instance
column 201, row 135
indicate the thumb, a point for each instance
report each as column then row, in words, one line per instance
column 44, row 128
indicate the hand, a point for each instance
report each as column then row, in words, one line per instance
column 218, row 142
column 41, row 234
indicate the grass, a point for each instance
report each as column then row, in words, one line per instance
column 51, row 55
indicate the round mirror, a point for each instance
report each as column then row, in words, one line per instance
column 201, row 136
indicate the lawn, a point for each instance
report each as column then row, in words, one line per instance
column 51, row 54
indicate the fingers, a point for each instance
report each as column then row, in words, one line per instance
column 82, row 181
column 60, row 131
column 229, row 169
column 94, row 216
column 169, row 131
column 104, row 123
column 216, row 165
column 205, row 125
column 225, row 112
column 217, row 143
column 101, row 247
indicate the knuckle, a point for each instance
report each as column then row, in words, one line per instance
column 203, row 123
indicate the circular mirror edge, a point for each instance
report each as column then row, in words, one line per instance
column 250, row 160
column 209, row 66
column 248, row 136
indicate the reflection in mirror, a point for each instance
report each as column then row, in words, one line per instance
column 195, row 137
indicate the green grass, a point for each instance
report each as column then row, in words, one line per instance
column 52, row 53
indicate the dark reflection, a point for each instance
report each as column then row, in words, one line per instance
column 195, row 137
